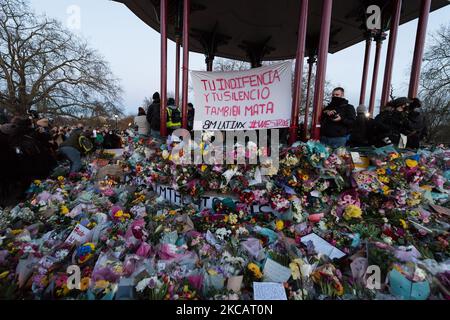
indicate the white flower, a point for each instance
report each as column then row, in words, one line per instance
column 419, row 275
column 233, row 296
column 242, row 231
column 61, row 254
column 222, row 233
column 143, row 284
column 306, row 269
column 322, row 225
column 300, row 294
column 387, row 240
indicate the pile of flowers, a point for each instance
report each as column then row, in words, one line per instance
column 220, row 226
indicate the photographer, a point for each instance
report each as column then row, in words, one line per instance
column 337, row 120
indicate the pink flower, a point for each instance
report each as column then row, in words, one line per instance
column 144, row 250
column 196, row 281
column 61, row 280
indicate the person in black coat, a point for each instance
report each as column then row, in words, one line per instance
column 154, row 115
column 191, row 116
column 417, row 125
column 337, row 120
column 391, row 123
column 360, row 132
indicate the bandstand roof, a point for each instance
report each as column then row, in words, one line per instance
column 272, row 23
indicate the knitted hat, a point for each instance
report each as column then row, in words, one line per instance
column 361, row 109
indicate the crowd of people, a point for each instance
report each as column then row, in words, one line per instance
column 32, row 147
column 400, row 123
column 149, row 122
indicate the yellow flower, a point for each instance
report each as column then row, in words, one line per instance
column 404, row 224
column 91, row 225
column 37, row 182
column 118, row 269
column 173, row 212
column 255, row 270
column 60, row 178
column 416, row 195
column 66, row 290
column 212, row 272
column 411, row 163
column 64, row 210
column 84, row 283
column 393, row 167
column 384, row 179
column 279, row 225
column 203, row 167
column 394, row 156
column 101, row 284
column 381, row 171
column 305, row 177
column 386, row 190
column 16, row 231
column 233, row 218
column 4, row 274
column 352, row 211
column 295, row 271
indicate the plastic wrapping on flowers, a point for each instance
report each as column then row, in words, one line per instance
column 153, row 229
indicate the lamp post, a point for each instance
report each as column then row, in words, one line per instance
column 117, row 119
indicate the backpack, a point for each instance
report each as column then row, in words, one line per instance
column 85, row 143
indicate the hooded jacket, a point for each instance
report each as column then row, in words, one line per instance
column 346, row 111
column 390, row 124
column 418, row 129
column 360, row 131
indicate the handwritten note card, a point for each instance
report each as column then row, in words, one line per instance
column 268, row 291
column 80, row 234
column 275, row 272
column 323, row 247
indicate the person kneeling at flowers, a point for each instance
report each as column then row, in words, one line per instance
column 74, row 147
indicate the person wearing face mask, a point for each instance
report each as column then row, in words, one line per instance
column 337, row 120
column 392, row 123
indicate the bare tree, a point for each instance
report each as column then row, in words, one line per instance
column 48, row 68
column 224, row 65
column 435, row 85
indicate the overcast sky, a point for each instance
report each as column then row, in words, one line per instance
column 133, row 49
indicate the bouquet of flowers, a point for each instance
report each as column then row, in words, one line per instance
column 329, row 280
column 153, row 288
